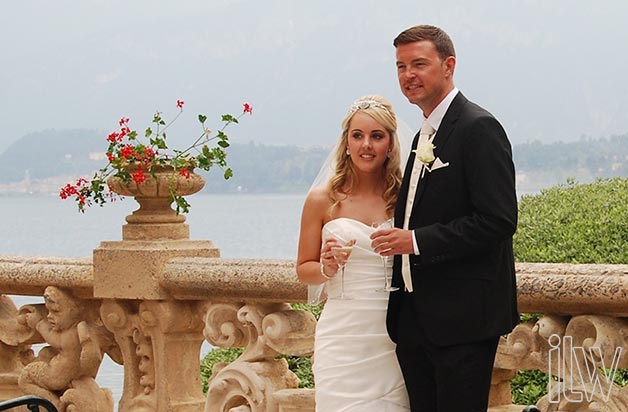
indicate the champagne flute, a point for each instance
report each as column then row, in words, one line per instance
column 342, row 253
column 388, row 287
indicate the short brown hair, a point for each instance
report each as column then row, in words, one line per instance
column 440, row 39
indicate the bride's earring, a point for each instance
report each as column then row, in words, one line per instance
column 348, row 152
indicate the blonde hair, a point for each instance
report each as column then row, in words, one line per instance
column 344, row 179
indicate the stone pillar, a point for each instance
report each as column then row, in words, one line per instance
column 160, row 338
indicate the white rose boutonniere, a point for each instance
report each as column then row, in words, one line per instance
column 425, row 153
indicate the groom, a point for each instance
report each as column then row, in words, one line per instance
column 455, row 217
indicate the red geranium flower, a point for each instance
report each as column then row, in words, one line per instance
column 128, row 151
column 113, row 137
column 139, row 177
column 185, row 173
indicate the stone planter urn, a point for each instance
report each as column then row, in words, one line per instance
column 155, row 218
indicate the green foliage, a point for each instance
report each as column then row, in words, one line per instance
column 315, row 309
column 530, row 317
column 302, row 367
column 621, row 377
column 570, row 223
column 528, row 386
column 575, row 223
column 216, row 356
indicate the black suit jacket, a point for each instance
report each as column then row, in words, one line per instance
column 463, row 217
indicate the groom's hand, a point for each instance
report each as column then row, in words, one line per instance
column 389, row 242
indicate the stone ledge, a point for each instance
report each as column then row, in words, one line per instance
column 30, row 275
column 573, row 294
column 255, row 280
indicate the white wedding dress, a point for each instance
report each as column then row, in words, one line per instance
column 355, row 366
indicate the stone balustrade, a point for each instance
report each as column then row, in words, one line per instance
column 156, row 311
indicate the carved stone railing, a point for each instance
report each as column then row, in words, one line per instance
column 184, row 301
column 580, row 337
column 228, row 303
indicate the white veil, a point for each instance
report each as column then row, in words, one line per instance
column 318, row 293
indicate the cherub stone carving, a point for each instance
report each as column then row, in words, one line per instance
column 73, row 350
column 15, row 349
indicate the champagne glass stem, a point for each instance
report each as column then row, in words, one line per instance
column 342, row 281
column 388, row 279
column 386, row 285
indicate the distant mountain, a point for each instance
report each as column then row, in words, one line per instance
column 52, row 153
column 542, row 165
column 53, row 156
column 63, row 153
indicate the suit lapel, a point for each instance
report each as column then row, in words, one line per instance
column 446, row 129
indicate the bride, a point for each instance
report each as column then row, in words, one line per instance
column 355, row 367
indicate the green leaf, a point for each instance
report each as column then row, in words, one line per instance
column 148, row 132
column 202, row 118
column 159, row 143
column 228, row 173
column 227, row 118
column 203, row 162
column 223, row 144
column 207, row 152
column 182, row 205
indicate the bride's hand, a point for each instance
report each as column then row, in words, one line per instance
column 341, row 251
column 328, row 259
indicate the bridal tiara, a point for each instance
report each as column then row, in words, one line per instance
column 362, row 104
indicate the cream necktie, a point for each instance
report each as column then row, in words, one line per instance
column 417, row 171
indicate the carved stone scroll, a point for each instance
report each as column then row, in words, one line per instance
column 250, row 382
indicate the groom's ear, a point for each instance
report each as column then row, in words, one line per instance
column 450, row 66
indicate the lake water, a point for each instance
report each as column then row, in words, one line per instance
column 255, row 226
column 241, row 226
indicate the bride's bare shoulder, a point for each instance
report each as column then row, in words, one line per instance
column 318, row 197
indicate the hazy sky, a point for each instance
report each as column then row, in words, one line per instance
column 548, row 69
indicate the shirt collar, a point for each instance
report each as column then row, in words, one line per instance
column 436, row 117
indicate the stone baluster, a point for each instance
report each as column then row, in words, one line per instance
column 160, row 342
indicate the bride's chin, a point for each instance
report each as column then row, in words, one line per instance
column 370, row 169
